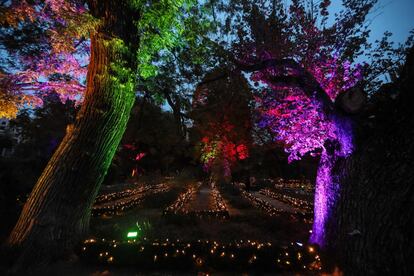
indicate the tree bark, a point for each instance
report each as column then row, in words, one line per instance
column 373, row 222
column 56, row 215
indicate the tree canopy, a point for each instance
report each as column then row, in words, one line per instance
column 46, row 45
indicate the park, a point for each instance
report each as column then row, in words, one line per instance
column 206, row 137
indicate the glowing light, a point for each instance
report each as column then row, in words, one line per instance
column 139, row 156
column 132, row 234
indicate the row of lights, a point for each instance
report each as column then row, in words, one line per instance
column 304, row 205
column 294, row 184
column 269, row 209
column 121, row 194
column 123, row 204
column 217, row 208
column 203, row 253
column 218, row 200
column 180, row 205
column 261, row 204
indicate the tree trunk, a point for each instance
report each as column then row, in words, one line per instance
column 56, row 215
column 373, row 222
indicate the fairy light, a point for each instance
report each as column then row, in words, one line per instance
column 260, row 203
column 204, row 253
column 304, row 206
column 118, row 202
column 217, row 208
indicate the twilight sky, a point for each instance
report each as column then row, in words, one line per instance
column 396, row 16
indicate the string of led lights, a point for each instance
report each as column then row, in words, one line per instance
column 305, row 206
column 180, row 205
column 261, row 204
column 131, row 200
column 120, row 194
column 203, row 254
column 216, row 209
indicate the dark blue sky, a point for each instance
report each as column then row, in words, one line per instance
column 396, row 16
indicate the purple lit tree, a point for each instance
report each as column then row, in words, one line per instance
column 309, row 79
column 303, row 117
column 304, row 65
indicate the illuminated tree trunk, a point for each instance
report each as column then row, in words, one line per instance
column 325, row 196
column 57, row 212
column 327, row 188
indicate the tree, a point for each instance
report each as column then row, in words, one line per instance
column 40, row 132
column 151, row 142
column 42, row 129
column 125, row 36
column 306, row 64
column 45, row 49
column 221, row 114
column 373, row 220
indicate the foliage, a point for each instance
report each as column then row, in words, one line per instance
column 44, row 128
column 41, row 131
column 46, row 46
column 298, row 33
column 221, row 114
column 161, row 28
column 46, row 49
column 385, row 61
column 146, row 149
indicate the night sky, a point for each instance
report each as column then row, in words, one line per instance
column 396, row 16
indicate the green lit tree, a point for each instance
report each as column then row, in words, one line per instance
column 126, row 38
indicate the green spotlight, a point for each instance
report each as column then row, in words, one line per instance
column 132, row 235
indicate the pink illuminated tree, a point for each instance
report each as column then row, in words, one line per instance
column 47, row 46
column 301, row 65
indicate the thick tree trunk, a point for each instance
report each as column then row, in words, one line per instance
column 327, row 188
column 326, row 193
column 57, row 212
column 373, row 222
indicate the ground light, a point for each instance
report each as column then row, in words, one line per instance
column 132, row 234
